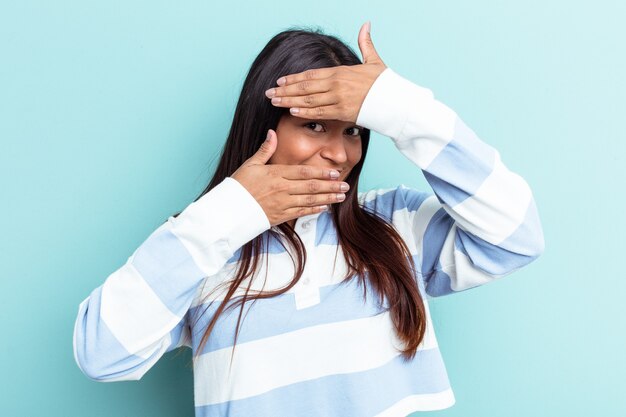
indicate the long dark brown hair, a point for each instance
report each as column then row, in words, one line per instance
column 369, row 242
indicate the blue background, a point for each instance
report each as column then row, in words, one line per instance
column 112, row 115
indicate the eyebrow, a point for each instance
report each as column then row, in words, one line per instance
column 330, row 120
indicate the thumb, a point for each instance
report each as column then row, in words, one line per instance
column 267, row 149
column 368, row 52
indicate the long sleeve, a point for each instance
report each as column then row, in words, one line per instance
column 138, row 313
column 482, row 222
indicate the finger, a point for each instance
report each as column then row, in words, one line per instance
column 311, row 200
column 267, row 149
column 296, row 212
column 332, row 112
column 311, row 100
column 366, row 46
column 306, row 172
column 300, row 88
column 316, row 186
column 310, row 74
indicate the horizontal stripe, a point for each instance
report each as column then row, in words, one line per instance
column 420, row 402
column 100, row 355
column 319, row 273
column 270, row 243
column 304, row 354
column 413, row 113
column 451, row 177
column 343, row 394
column 271, row 317
column 133, row 312
column 497, row 208
column 495, row 261
column 462, row 276
column 167, row 267
column 428, row 130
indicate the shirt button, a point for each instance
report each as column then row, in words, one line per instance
column 306, row 224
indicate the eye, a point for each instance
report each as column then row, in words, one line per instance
column 358, row 129
column 313, row 124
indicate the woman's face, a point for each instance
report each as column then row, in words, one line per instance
column 326, row 143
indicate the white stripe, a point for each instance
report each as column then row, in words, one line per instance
column 419, row 124
column 320, row 273
column 213, row 235
column 464, row 274
column 372, row 195
column 304, row 354
column 497, row 208
column 428, row 130
column 133, row 312
column 460, row 268
column 421, row 402
column 209, row 257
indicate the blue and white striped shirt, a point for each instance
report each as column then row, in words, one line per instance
column 320, row 349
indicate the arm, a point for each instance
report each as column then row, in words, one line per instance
column 138, row 313
column 482, row 221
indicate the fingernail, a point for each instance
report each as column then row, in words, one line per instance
column 270, row 93
column 276, row 100
column 281, row 81
column 269, row 136
column 294, row 110
column 368, row 26
column 344, row 187
column 334, row 174
column 341, row 197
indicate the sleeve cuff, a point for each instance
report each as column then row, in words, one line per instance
column 228, row 212
column 389, row 103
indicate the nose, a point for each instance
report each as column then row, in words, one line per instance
column 335, row 149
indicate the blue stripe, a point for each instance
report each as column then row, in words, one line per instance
column 438, row 283
column 399, row 198
column 277, row 315
column 461, row 167
column 412, row 199
column 274, row 316
column 446, row 193
column 168, row 268
column 356, row 394
column 495, row 259
column 434, row 238
column 100, row 355
column 384, row 204
column 487, row 257
column 270, row 243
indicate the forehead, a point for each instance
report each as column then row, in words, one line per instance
column 289, row 118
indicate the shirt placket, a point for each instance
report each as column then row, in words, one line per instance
column 307, row 293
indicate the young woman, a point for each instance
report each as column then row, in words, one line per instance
column 334, row 283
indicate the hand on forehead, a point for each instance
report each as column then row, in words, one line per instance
column 332, row 93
